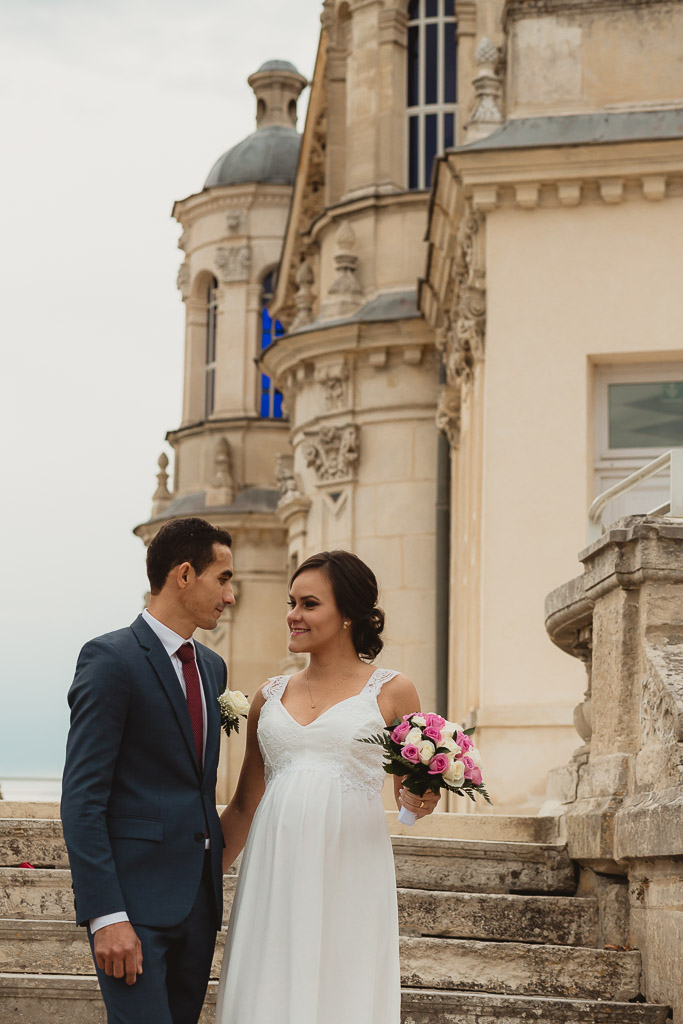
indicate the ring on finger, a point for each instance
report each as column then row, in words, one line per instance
column 422, row 803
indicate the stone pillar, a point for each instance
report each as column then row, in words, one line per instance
column 621, row 797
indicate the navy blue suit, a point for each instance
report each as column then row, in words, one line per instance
column 136, row 808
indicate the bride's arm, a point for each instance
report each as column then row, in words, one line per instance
column 398, row 698
column 236, row 818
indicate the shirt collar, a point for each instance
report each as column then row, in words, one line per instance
column 171, row 641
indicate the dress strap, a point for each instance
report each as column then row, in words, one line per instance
column 275, row 687
column 377, row 680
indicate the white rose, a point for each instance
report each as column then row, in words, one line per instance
column 473, row 752
column 414, row 736
column 236, row 702
column 455, row 774
column 418, row 720
column 450, row 745
column 450, row 729
column 427, row 751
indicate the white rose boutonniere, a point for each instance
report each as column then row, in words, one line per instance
column 234, row 705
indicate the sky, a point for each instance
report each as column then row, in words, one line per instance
column 109, row 112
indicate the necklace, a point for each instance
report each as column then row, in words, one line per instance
column 314, row 704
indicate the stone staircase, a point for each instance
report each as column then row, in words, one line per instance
column 490, row 931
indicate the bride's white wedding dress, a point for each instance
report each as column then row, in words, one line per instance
column 313, row 936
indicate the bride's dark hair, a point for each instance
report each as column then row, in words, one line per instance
column 355, row 590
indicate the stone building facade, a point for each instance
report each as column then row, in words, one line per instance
column 474, row 241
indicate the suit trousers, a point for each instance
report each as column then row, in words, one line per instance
column 176, row 965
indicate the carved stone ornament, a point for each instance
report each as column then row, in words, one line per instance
column 221, row 491
column 332, row 452
column 304, row 297
column 487, row 112
column 448, row 414
column 333, row 380
column 236, row 222
column 162, row 497
column 462, row 341
column 345, row 292
column 234, row 262
column 183, row 279
column 286, row 481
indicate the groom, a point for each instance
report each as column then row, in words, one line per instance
column 138, row 804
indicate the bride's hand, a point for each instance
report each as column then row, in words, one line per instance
column 420, row 805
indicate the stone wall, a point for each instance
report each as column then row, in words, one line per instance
column 621, row 797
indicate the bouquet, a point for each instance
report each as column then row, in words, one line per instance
column 234, row 705
column 433, row 754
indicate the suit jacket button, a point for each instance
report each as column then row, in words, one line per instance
column 200, row 837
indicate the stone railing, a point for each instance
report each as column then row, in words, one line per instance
column 621, row 797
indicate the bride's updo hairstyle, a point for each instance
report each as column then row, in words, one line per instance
column 355, row 590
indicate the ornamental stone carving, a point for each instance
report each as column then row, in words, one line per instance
column 222, row 488
column 286, row 481
column 487, row 114
column 333, row 380
column 236, row 222
column 233, row 262
column 448, row 414
column 345, row 294
column 304, row 297
column 162, row 497
column 332, row 452
column 183, row 279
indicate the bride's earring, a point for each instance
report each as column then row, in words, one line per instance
column 346, row 625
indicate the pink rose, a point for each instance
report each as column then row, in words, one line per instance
column 471, row 771
column 438, row 764
column 406, row 718
column 431, row 733
column 400, row 732
column 435, row 721
column 464, row 742
column 411, row 753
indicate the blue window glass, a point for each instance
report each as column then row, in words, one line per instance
column 413, row 65
column 449, row 62
column 430, row 145
column 431, row 63
column 448, row 130
column 431, row 8
column 270, row 402
column 449, row 8
column 414, row 153
column 413, row 9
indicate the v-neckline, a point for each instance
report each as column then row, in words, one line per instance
column 354, row 696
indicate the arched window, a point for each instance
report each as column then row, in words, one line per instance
column 210, row 347
column 270, row 405
column 432, row 85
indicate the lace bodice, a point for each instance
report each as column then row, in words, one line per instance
column 330, row 743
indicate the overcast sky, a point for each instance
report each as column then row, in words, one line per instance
column 109, row 111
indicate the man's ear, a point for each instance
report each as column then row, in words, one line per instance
column 184, row 574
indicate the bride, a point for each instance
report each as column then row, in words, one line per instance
column 313, row 936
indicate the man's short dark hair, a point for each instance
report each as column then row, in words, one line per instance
column 183, row 540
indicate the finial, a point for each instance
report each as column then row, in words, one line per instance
column 162, row 497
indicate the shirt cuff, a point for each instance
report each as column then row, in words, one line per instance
column 101, row 922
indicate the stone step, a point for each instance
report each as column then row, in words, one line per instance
column 515, row 968
column 58, row 947
column 46, row 894
column 510, row 828
column 460, row 865
column 35, row 999
column 558, row 920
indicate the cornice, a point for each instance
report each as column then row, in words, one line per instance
column 215, row 200
column 517, row 9
column 360, row 204
column 222, row 426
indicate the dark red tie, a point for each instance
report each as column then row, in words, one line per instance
column 194, row 696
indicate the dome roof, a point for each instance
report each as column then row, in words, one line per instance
column 278, row 65
column 269, row 156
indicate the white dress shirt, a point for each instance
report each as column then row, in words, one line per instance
column 171, row 641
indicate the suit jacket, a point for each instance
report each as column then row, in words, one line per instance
column 135, row 803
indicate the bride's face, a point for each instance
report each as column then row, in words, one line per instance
column 314, row 620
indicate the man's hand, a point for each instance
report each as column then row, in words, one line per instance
column 118, row 951
column 421, row 805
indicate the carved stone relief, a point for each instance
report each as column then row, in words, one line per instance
column 234, row 262
column 304, row 297
column 332, row 452
column 222, row 488
column 236, row 222
column 333, row 380
column 183, row 279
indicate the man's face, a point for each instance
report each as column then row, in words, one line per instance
column 205, row 597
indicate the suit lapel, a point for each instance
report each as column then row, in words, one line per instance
column 161, row 663
column 213, row 726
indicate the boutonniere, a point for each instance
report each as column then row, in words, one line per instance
column 234, row 705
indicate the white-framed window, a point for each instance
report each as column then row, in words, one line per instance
column 210, row 347
column 638, row 415
column 431, row 78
